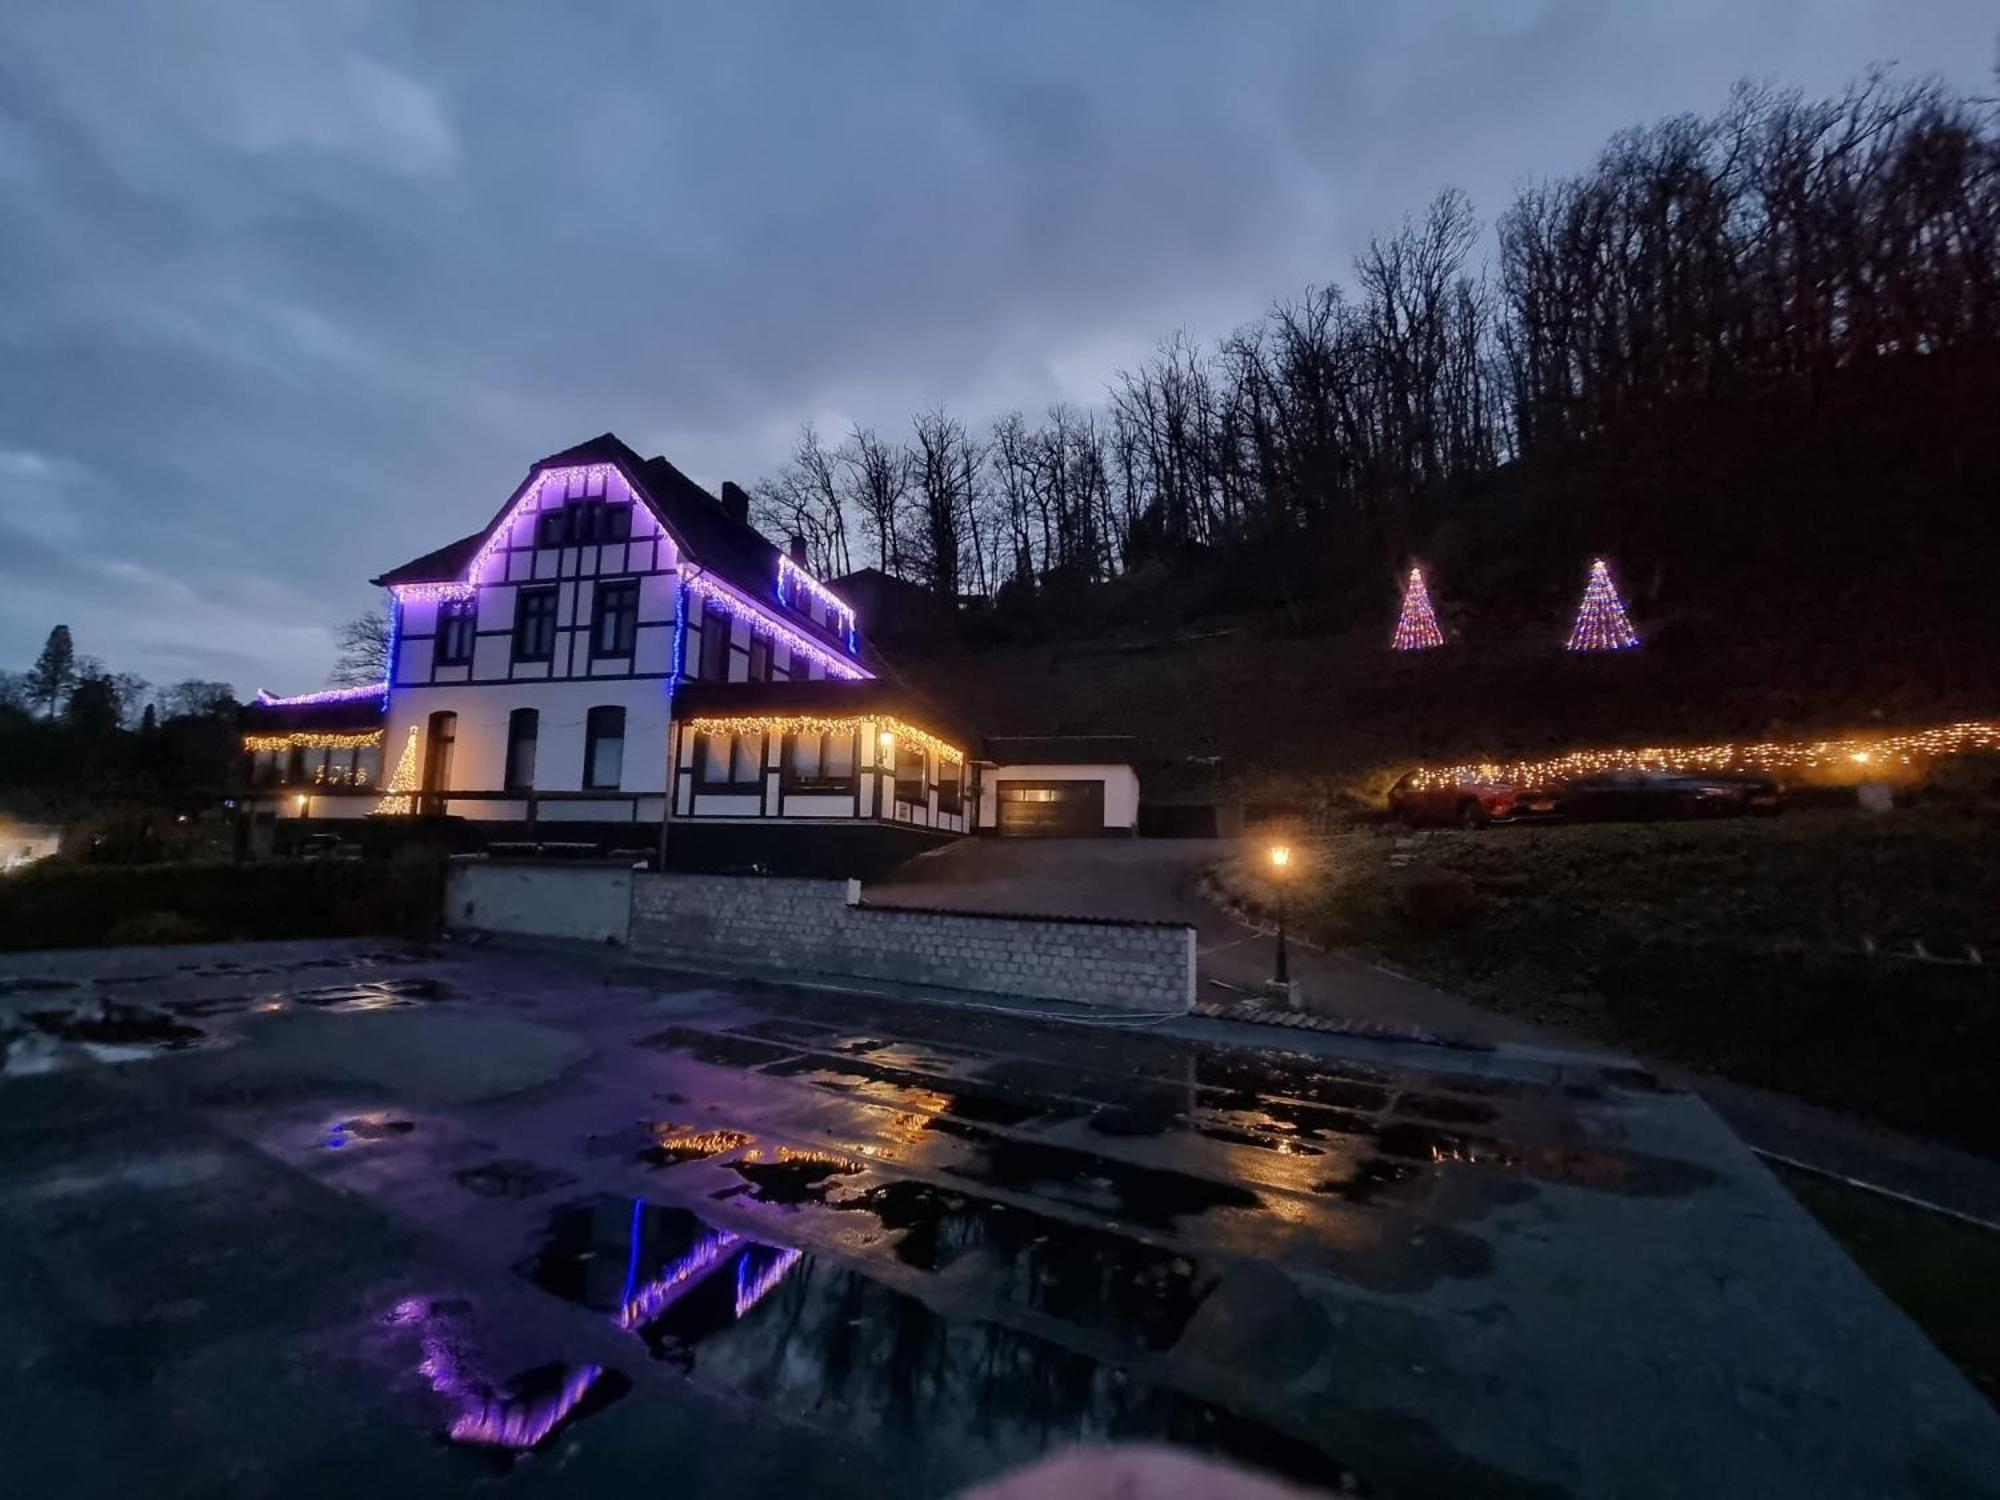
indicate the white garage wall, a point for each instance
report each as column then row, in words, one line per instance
column 1121, row 790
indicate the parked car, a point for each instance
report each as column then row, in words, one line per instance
column 1467, row 801
column 1668, row 794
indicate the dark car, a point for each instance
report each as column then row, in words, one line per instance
column 1463, row 801
column 1668, row 794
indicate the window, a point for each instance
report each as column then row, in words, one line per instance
column 523, row 728
column 746, row 765
column 760, row 658
column 456, row 618
column 438, row 745
column 713, row 759
column 910, row 781
column 714, row 646
column 950, row 785
column 603, row 748
column 582, row 522
column 535, row 625
column 615, row 618
column 730, row 760
column 820, row 762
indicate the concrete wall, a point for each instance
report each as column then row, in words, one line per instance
column 1121, row 790
column 588, row 901
column 820, row 927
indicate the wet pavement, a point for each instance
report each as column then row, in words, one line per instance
column 319, row 1217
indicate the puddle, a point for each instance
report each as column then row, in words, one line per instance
column 1442, row 1109
column 673, row 1144
column 504, row 1419
column 342, row 1133
column 1631, row 1173
column 794, row 1176
column 951, row 1399
column 1261, row 1076
column 1084, row 1276
column 527, row 1411
column 510, row 1178
column 907, row 1090
column 111, row 1024
column 1378, row 1180
column 32, row 984
column 219, row 1005
column 1150, row 1196
column 723, row 1050
column 1117, row 1091
column 377, row 994
column 810, row 1033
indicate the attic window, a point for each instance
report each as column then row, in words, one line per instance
column 579, row 523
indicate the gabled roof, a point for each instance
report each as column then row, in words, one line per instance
column 707, row 534
column 440, row 566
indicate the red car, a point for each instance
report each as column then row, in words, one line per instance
column 1464, row 801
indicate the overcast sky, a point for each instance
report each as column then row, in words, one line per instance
column 293, row 290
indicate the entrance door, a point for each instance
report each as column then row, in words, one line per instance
column 1050, row 809
column 437, row 760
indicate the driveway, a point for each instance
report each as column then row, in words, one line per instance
column 396, row 1223
column 1158, row 880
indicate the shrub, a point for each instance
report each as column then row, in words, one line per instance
column 59, row 905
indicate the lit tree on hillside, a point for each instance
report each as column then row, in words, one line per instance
column 1601, row 623
column 1417, row 627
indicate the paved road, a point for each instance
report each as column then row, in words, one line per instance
column 375, row 1221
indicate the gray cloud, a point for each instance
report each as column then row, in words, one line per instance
column 289, row 293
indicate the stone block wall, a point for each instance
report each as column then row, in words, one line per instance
column 820, row 926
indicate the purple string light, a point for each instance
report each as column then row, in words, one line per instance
column 714, row 591
column 326, row 695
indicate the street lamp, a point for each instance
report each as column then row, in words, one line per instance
column 1281, row 858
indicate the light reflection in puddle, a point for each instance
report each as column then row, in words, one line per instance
column 520, row 1414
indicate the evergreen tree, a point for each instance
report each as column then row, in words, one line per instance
column 54, row 672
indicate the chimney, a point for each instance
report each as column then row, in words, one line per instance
column 798, row 550
column 735, row 503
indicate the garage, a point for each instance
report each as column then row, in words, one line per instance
column 1050, row 809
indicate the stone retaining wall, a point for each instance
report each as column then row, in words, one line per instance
column 821, row 927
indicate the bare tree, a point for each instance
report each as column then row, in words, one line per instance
column 361, row 649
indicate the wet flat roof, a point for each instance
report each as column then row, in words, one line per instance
column 308, row 1217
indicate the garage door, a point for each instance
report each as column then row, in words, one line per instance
column 1051, row 809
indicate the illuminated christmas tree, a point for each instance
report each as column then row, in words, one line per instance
column 1601, row 624
column 1417, row 627
column 397, row 798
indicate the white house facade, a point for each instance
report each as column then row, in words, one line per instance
column 619, row 658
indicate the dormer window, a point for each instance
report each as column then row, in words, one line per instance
column 581, row 523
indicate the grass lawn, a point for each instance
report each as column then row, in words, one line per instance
column 1939, row 1270
column 1734, row 946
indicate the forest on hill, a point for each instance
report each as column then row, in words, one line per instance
column 1751, row 357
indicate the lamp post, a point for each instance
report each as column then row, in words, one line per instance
column 1281, row 858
